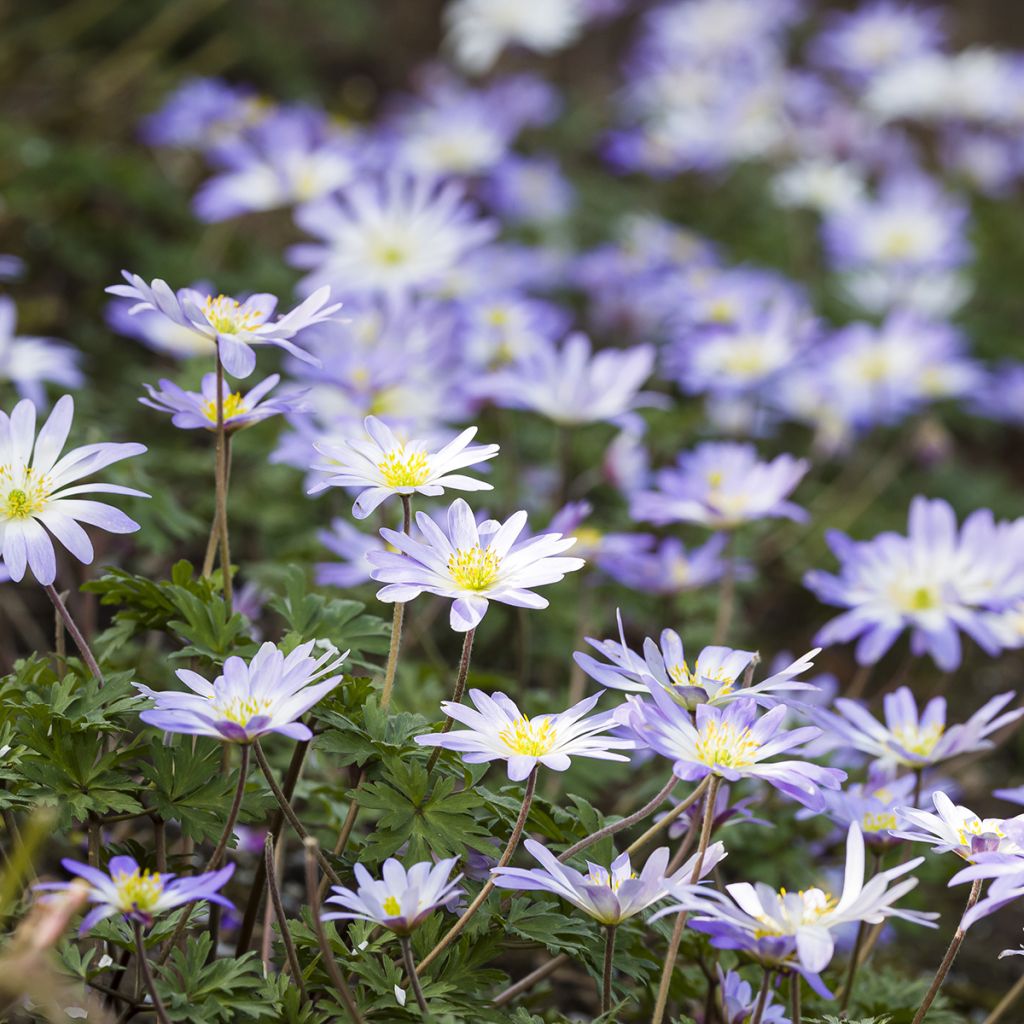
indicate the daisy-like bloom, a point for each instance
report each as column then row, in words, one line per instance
column 935, row 581
column 202, row 112
column 666, row 569
column 716, row 677
column 270, row 694
column 480, row 29
column 794, row 930
column 611, row 894
column 1006, row 872
column 912, row 740
column 722, row 484
column 35, row 496
column 197, row 410
column 352, row 548
column 233, row 326
column 394, row 236
column 382, row 465
column 471, row 564
column 739, row 1001
column 29, row 363
column 138, row 894
column 870, row 805
column 821, row 185
column 572, row 385
column 400, row 900
column 498, row 731
column 957, row 829
column 731, row 742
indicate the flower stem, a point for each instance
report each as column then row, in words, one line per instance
column 670, row 817
column 460, row 689
column 236, row 806
column 623, row 823
column 609, row 967
column 147, row 976
column 397, row 617
column 762, row 997
column 794, row 995
column 533, row 978
column 1006, row 1002
column 677, row 932
column 290, row 816
column 313, row 855
column 947, row 960
column 282, row 920
column 221, row 487
column 510, row 849
column 410, row 973
column 76, row 634
column 858, row 946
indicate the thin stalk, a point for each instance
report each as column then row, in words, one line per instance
column 160, row 843
column 947, row 960
column 290, row 816
column 533, row 978
column 397, row 617
column 236, row 805
column 762, row 997
column 859, row 682
column 858, row 945
column 410, row 973
column 609, row 967
column 677, row 932
column 510, row 849
column 76, row 634
column 330, row 964
column 259, row 882
column 60, row 647
column 670, row 817
column 221, row 487
column 460, row 689
column 726, row 596
column 147, row 976
column 794, row 996
column 623, row 823
column 1006, row 1002
column 282, row 920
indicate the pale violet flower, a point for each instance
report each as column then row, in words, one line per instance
column 395, row 236
column 471, row 564
column 610, row 894
column 401, row 899
column 793, row 930
column 1005, row 871
column 36, row 501
column 909, row 739
column 30, row 363
column 382, row 465
column 935, row 581
column 822, row 185
column 233, row 326
column 478, row 30
column 957, row 829
column 717, row 676
column 498, row 731
column 570, row 384
column 269, row 694
column 722, row 484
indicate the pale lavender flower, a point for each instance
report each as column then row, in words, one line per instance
column 722, row 484
column 870, row 805
column 383, row 465
column 739, row 1001
column 35, row 496
column 572, row 385
column 793, row 930
column 137, row 894
column 731, row 742
column 197, row 410
column 11, row 267
column 912, row 740
column 352, row 547
column 471, row 564
column 666, row 569
column 269, row 694
column 233, row 326
column 610, row 894
column 200, row 112
column 935, row 581
column 30, row 363
column 1000, row 394
column 401, row 899
column 395, row 236
column 957, row 829
column 498, row 731
column 1005, row 871
column 726, row 813
column 529, row 190
column 717, row 676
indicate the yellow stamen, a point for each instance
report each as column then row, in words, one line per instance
column 404, row 469
column 721, row 743
column 139, row 890
column 392, row 907
column 28, row 496
column 878, row 822
column 474, row 568
column 225, row 315
column 534, row 739
column 919, row 741
column 234, row 405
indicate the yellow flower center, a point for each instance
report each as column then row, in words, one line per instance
column 721, row 311
column 978, row 827
column 234, row 405
column 682, row 676
column 921, row 598
column 722, row 743
column 474, row 568
column 139, row 890
column 404, row 469
column 899, row 244
column 392, row 907
column 242, row 709
column 497, row 316
column 388, row 253
column 603, row 877
column 878, row 822
column 534, row 739
column 27, row 497
column 919, row 741
column 225, row 315
column 587, row 536
column 814, row 904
